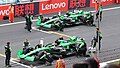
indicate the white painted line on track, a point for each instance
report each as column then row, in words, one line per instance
column 36, row 19
column 20, row 64
column 103, row 64
column 8, row 24
column 110, row 61
column 34, row 28
column 72, row 29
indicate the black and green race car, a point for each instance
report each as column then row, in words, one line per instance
column 46, row 53
column 70, row 18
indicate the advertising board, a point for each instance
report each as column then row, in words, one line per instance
column 51, row 6
column 74, row 4
column 23, row 9
column 4, row 11
column 103, row 2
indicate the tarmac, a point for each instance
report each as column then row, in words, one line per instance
column 16, row 34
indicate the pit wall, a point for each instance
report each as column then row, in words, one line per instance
column 50, row 6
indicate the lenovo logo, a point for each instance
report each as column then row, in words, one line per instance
column 4, row 12
column 53, row 6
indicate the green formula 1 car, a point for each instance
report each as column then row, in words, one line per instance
column 51, row 50
column 38, row 55
column 71, row 18
column 84, row 17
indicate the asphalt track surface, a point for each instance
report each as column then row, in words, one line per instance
column 110, row 27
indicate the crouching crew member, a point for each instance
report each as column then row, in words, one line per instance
column 82, row 48
column 58, row 40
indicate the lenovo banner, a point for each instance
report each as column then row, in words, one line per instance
column 51, row 6
column 4, row 11
column 74, row 4
column 22, row 9
column 103, row 2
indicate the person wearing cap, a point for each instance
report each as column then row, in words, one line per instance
column 8, row 54
column 60, row 63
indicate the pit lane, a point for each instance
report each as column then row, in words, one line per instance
column 109, row 26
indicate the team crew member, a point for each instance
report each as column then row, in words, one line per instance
column 29, row 26
column 99, row 37
column 58, row 40
column 82, row 48
column 94, row 42
column 59, row 25
column 26, row 46
column 8, row 54
column 26, row 18
column 101, row 10
column 97, row 9
column 41, row 18
column 40, row 45
column 60, row 63
column 11, row 13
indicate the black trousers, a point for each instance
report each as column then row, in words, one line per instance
column 7, row 60
column 100, row 16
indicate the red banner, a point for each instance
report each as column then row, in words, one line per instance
column 53, row 6
column 117, row 1
column 103, row 2
column 4, row 11
column 22, row 9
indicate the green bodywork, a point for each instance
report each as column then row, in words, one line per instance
column 47, row 24
column 63, row 43
column 28, row 55
column 74, row 18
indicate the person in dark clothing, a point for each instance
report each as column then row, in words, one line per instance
column 26, row 46
column 59, row 25
column 58, row 40
column 97, row 32
column 82, row 48
column 94, row 42
column 99, row 37
column 8, row 54
column 101, row 11
column 97, row 14
column 26, row 18
column 29, row 24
